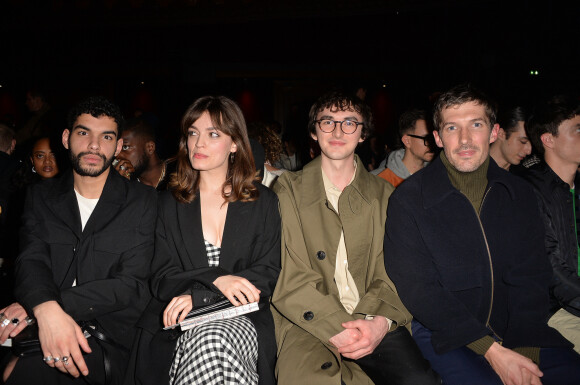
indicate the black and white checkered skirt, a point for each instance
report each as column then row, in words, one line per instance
column 218, row 352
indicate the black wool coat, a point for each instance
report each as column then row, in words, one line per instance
column 250, row 249
column 110, row 259
column 465, row 275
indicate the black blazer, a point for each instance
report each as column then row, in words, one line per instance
column 112, row 255
column 250, row 249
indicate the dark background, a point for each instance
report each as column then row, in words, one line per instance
column 275, row 57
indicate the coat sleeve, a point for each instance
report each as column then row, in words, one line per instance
column 296, row 295
column 528, row 281
column 34, row 279
column 413, row 271
column 566, row 282
column 127, row 282
column 264, row 267
column 172, row 277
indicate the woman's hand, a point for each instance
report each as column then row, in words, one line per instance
column 238, row 290
column 177, row 309
column 9, row 329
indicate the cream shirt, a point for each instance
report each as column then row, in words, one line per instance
column 347, row 291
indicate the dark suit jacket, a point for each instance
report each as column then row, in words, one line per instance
column 110, row 259
column 250, row 249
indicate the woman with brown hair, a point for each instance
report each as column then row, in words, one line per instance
column 218, row 236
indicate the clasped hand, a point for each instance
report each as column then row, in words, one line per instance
column 360, row 337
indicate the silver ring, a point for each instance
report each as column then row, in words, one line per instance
column 47, row 358
column 29, row 320
column 65, row 360
column 5, row 322
column 15, row 321
column 122, row 167
column 56, row 359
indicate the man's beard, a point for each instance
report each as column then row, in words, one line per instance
column 141, row 166
column 76, row 164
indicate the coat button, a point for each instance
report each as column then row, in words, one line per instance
column 308, row 315
column 205, row 300
column 326, row 365
column 321, row 255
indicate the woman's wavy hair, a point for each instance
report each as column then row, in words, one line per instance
column 227, row 118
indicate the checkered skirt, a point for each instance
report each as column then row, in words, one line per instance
column 218, row 352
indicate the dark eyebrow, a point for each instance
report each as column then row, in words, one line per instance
column 81, row 127
column 328, row 117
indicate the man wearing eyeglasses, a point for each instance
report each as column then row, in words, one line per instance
column 417, row 150
column 338, row 316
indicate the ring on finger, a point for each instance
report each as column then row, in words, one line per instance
column 65, row 360
column 29, row 320
column 15, row 321
column 5, row 322
column 122, row 167
column 47, row 358
column 56, row 359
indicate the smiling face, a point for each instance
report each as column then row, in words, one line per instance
column 337, row 145
column 208, row 149
column 43, row 159
column 93, row 144
column 465, row 135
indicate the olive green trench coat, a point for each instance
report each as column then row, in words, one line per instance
column 307, row 310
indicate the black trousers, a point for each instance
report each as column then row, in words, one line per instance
column 398, row 361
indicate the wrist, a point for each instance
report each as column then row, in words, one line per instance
column 45, row 307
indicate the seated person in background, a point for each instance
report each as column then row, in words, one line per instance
column 218, row 235
column 43, row 159
column 512, row 144
column 464, row 247
column 272, row 150
column 138, row 158
column 417, row 149
column 554, row 129
column 86, row 248
column 338, row 317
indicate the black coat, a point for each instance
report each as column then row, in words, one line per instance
column 112, row 254
column 557, row 210
column 250, row 249
column 436, row 252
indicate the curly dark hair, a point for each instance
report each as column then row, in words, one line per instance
column 97, row 106
column 342, row 101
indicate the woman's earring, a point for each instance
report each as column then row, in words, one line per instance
column 33, row 170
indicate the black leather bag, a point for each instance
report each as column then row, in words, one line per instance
column 26, row 343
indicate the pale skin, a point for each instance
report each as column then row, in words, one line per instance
column 465, row 135
column 209, row 151
column 508, row 151
column 359, row 337
column 562, row 151
column 416, row 153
